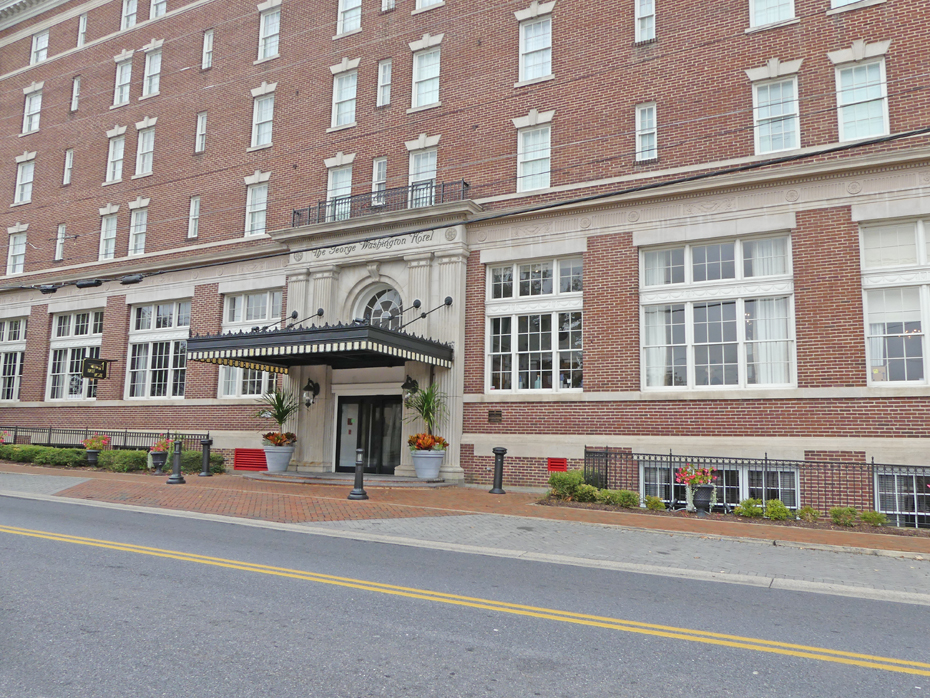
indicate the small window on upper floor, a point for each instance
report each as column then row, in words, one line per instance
column 128, row 18
column 82, row 30
column 762, row 12
column 152, row 77
column 193, row 218
column 25, row 173
column 645, row 20
column 145, row 150
column 75, row 92
column 269, row 32
column 158, row 8
column 69, row 166
column 200, row 137
column 262, row 120
column 256, row 208
column 344, row 92
column 422, row 4
column 535, row 48
column 16, row 254
column 123, row 78
column 60, row 238
column 775, row 115
column 350, row 16
column 387, row 5
column 533, row 158
column 39, row 47
column 138, row 226
column 647, row 145
column 115, row 159
column 862, row 97
column 206, row 60
column 384, row 83
column 32, row 111
column 426, row 78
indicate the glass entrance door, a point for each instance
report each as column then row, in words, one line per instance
column 372, row 423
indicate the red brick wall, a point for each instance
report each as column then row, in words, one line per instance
column 35, row 369
column 115, row 344
column 206, row 317
column 474, row 324
column 835, row 478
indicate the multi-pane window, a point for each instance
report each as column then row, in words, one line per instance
column 379, row 182
column 535, row 48
column 422, row 179
column 254, row 309
column 115, row 158
column 533, row 158
column 206, row 55
column 123, row 78
column 384, row 82
column 31, row 111
column 69, row 166
column 152, row 75
column 12, row 353
column 107, row 237
column 427, row 3
column 387, row 5
column 344, row 89
column 16, row 254
column 339, row 193
column 137, row 229
column 530, row 346
column 268, row 33
column 262, row 119
column 82, row 30
column 905, row 497
column 769, row 11
column 645, row 20
column 158, row 8
column 128, row 19
column 733, row 484
column 193, row 218
column 158, row 350
column 39, row 47
column 862, row 98
column 145, row 148
column 75, row 92
column 256, row 205
column 75, row 337
column 775, row 116
column 710, row 338
column 350, row 16
column 60, row 242
column 259, row 307
column 647, row 147
column 426, row 77
column 200, row 137
column 25, row 172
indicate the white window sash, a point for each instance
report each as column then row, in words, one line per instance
column 775, row 123
column 137, row 230
column 130, row 8
column 262, row 120
column 379, row 182
column 206, row 60
column 859, row 99
column 145, row 149
column 200, row 138
column 107, row 238
column 647, row 140
column 123, row 78
column 764, row 12
column 39, row 47
column 75, row 92
column 269, row 33
column 115, row 159
column 25, row 173
column 645, row 20
column 158, row 8
column 60, row 242
column 193, row 220
column 256, row 209
column 32, row 112
column 69, row 166
column 152, row 75
column 534, row 159
column 350, row 16
column 384, row 83
column 82, row 30
column 535, row 48
column 426, row 72
column 16, row 255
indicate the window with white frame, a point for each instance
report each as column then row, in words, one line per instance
column 75, row 337
column 387, row 5
column 193, row 218
column 862, row 98
column 733, row 484
column 339, row 193
column 243, row 312
column 128, row 19
column 158, row 8
column 158, row 350
column 39, row 47
column 206, row 54
column 145, row 149
column 82, row 30
column 535, row 48
column 645, row 20
column 344, row 89
column 60, row 242
column 647, row 144
column 764, row 12
column 200, row 137
column 904, row 496
column 32, row 111
column 69, row 166
column 25, row 172
column 107, row 237
column 268, row 33
column 707, row 336
column 350, row 16
column 115, row 158
column 123, row 78
column 16, row 254
column 534, row 315
column 533, row 158
column 384, row 82
column 775, row 115
column 422, row 178
column 379, row 182
column 75, row 92
column 842, row 3
column 256, row 206
column 421, row 4
column 138, row 224
column 12, row 354
column 426, row 77
column 262, row 120
column 152, row 74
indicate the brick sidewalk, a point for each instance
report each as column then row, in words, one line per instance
column 231, row 495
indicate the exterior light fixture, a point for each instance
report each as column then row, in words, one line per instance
column 131, row 279
column 46, row 289
column 410, row 385
column 88, row 283
column 311, row 390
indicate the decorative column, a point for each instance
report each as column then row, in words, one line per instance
column 323, row 291
column 297, row 286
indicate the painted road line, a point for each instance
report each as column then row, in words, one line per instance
column 671, row 632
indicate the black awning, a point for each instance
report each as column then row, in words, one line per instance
column 356, row 345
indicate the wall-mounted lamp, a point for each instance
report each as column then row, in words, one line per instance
column 46, row 289
column 410, row 386
column 311, row 390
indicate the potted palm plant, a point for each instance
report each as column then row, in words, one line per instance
column 426, row 448
column 279, row 445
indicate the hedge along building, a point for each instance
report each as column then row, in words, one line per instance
column 714, row 310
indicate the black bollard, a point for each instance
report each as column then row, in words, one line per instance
column 206, row 443
column 176, row 477
column 499, row 454
column 359, row 491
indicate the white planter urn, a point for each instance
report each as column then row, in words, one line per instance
column 277, row 458
column 427, row 463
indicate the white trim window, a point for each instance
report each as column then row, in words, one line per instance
column 69, row 167
column 115, row 155
column 535, row 48
column 256, row 208
column 206, row 54
column 647, row 132
column 145, row 150
column 158, row 350
column 379, row 182
column 16, row 254
column 152, row 74
column 107, row 237
column 138, row 225
column 423, row 4
column 734, row 484
column 269, row 33
column 75, row 337
column 12, row 354
column 426, row 78
column 158, row 8
column 350, row 16
column 422, row 178
column 121, row 87
column 534, row 330
column 718, row 315
column 243, row 312
column 262, row 120
column 534, row 158
column 384, row 82
column 25, row 173
column 775, row 115
column 75, row 92
column 645, row 20
column 339, row 193
column 200, row 135
column 32, row 111
column 904, row 497
column 193, row 218
column 39, row 47
column 128, row 17
column 82, row 30
column 344, row 91
column 387, row 5
column 862, row 98
column 841, row 3
column 60, row 238
column 763, row 12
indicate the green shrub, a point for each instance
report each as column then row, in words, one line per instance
column 808, row 514
column 563, row 485
column 606, row 497
column 123, row 461
column 585, row 493
column 653, row 503
column 22, row 454
column 843, row 516
column 874, row 518
column 61, row 457
column 749, row 507
column 776, row 510
column 628, row 499
column 192, row 462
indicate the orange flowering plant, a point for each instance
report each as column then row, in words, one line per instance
column 427, row 442
column 280, row 438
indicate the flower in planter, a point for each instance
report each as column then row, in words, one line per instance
column 280, row 438
column 427, row 442
column 692, row 477
column 96, row 442
column 3, row 436
column 161, row 444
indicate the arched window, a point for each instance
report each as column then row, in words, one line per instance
column 383, row 309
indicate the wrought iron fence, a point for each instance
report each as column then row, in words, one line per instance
column 901, row 492
column 120, row 439
column 416, row 195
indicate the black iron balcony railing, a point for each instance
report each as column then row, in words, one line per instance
column 417, row 195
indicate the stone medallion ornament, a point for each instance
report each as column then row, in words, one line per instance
column 451, row 234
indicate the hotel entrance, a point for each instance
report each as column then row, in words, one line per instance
column 372, row 423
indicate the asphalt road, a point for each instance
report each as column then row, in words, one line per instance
column 205, row 609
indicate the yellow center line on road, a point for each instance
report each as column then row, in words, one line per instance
column 671, row 632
